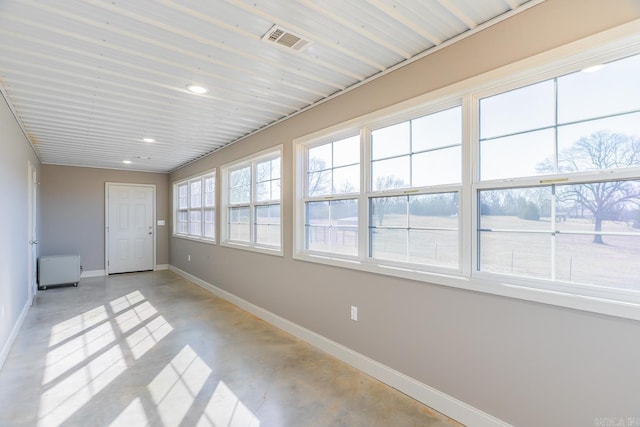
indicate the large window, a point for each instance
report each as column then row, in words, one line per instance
column 415, row 183
column 331, row 202
column 406, row 211
column 519, row 186
column 195, row 207
column 568, row 147
column 252, row 194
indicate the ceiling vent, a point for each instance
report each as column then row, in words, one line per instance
column 279, row 35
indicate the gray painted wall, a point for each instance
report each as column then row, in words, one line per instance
column 526, row 363
column 15, row 154
column 73, row 211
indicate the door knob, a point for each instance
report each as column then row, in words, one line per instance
column 33, row 242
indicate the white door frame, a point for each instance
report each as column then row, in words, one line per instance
column 32, row 231
column 107, row 186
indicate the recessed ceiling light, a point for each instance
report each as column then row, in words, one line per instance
column 126, row 162
column 148, row 140
column 199, row 90
column 593, row 68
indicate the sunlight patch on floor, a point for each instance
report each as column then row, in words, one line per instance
column 122, row 303
column 76, row 351
column 85, row 357
column 75, row 325
column 65, row 398
column 225, row 409
column 135, row 316
column 145, row 338
column 133, row 415
column 175, row 388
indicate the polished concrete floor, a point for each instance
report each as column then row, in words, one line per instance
column 154, row 349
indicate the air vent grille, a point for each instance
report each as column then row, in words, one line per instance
column 279, row 35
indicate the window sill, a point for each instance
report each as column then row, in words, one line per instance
column 195, row 239
column 253, row 248
column 510, row 287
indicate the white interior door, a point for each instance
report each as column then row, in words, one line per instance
column 32, row 232
column 129, row 229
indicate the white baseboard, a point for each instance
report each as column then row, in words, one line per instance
column 162, row 267
column 93, row 273
column 4, row 353
column 431, row 397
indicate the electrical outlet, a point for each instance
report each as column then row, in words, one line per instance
column 354, row 313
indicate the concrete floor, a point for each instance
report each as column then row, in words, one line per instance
column 154, row 349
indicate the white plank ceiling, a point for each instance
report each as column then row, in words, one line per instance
column 89, row 79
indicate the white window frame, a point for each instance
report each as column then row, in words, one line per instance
column 604, row 47
column 363, row 126
column 250, row 161
column 202, row 209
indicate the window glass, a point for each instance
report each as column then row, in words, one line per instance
column 195, row 189
column 442, row 129
column 437, row 167
column 391, row 141
column 194, row 207
column 210, row 191
column 240, row 185
column 239, row 224
column 588, row 95
column 581, row 233
column 525, row 109
column 332, row 226
column 421, row 229
column 253, row 202
column 268, row 225
column 431, row 155
column 333, row 168
column 526, row 154
column 183, row 196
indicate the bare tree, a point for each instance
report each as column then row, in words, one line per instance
column 318, row 180
column 602, row 150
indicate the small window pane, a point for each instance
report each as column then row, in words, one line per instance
column 240, row 185
column 183, row 222
column 196, row 194
column 516, row 209
column 332, row 226
column 391, row 173
column 183, row 196
column 319, row 158
column 434, row 210
column 580, row 260
column 434, row 247
column 437, row 167
column 195, row 223
column 210, row 191
column 600, row 144
column 390, row 244
column 319, row 183
column 346, row 151
column 518, row 254
column 209, row 223
column 268, row 225
column 436, row 130
column 607, row 91
column 391, row 141
column 528, row 154
column 239, row 224
column 346, row 179
column 389, row 212
column 528, row 108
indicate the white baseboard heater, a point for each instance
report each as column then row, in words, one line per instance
column 58, row 270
